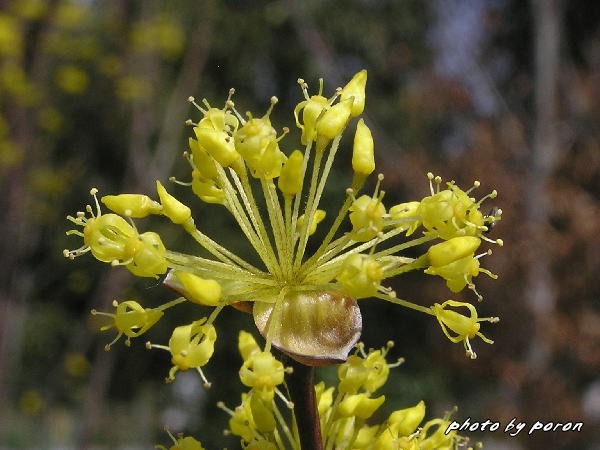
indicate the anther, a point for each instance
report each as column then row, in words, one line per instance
column 93, row 191
column 148, row 345
column 115, row 303
column 500, row 242
column 191, row 99
column 189, row 122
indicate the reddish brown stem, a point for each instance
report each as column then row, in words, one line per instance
column 301, row 384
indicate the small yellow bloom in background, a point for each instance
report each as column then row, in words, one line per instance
column 76, row 365
column 31, row 403
column 11, row 40
column 72, row 79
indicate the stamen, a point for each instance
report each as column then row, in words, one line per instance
column 492, row 194
column 221, row 405
column 284, row 131
column 476, row 184
column 192, row 100
column 430, row 177
column 489, row 252
column 94, row 191
column 287, row 402
column 470, row 353
column 109, row 345
column 398, row 363
column 304, row 87
column 181, row 183
column 166, row 428
column 207, row 384
column 377, row 186
column 438, row 182
column 274, row 101
column 229, row 102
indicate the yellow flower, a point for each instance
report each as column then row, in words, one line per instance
column 130, row 319
column 463, row 327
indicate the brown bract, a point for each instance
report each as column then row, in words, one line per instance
column 314, row 328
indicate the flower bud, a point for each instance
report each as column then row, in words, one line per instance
column 356, row 89
column 406, row 216
column 317, row 219
column 312, row 109
column 324, row 398
column 359, row 405
column 172, row 208
column 247, row 345
column 218, row 144
column 290, row 180
column 452, row 250
column 262, row 414
column 352, row 375
column 203, row 161
column 363, row 158
column 379, row 371
column 207, row 190
column 360, row 276
column 147, row 255
column 199, row 290
column 332, row 122
column 366, row 217
column 132, row 205
column 405, row 421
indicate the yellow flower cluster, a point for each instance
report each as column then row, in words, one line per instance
column 343, row 412
column 304, row 305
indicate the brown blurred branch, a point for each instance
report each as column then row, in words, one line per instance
column 541, row 293
column 15, row 230
column 189, row 77
column 142, row 169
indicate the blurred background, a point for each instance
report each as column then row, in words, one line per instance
column 93, row 93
